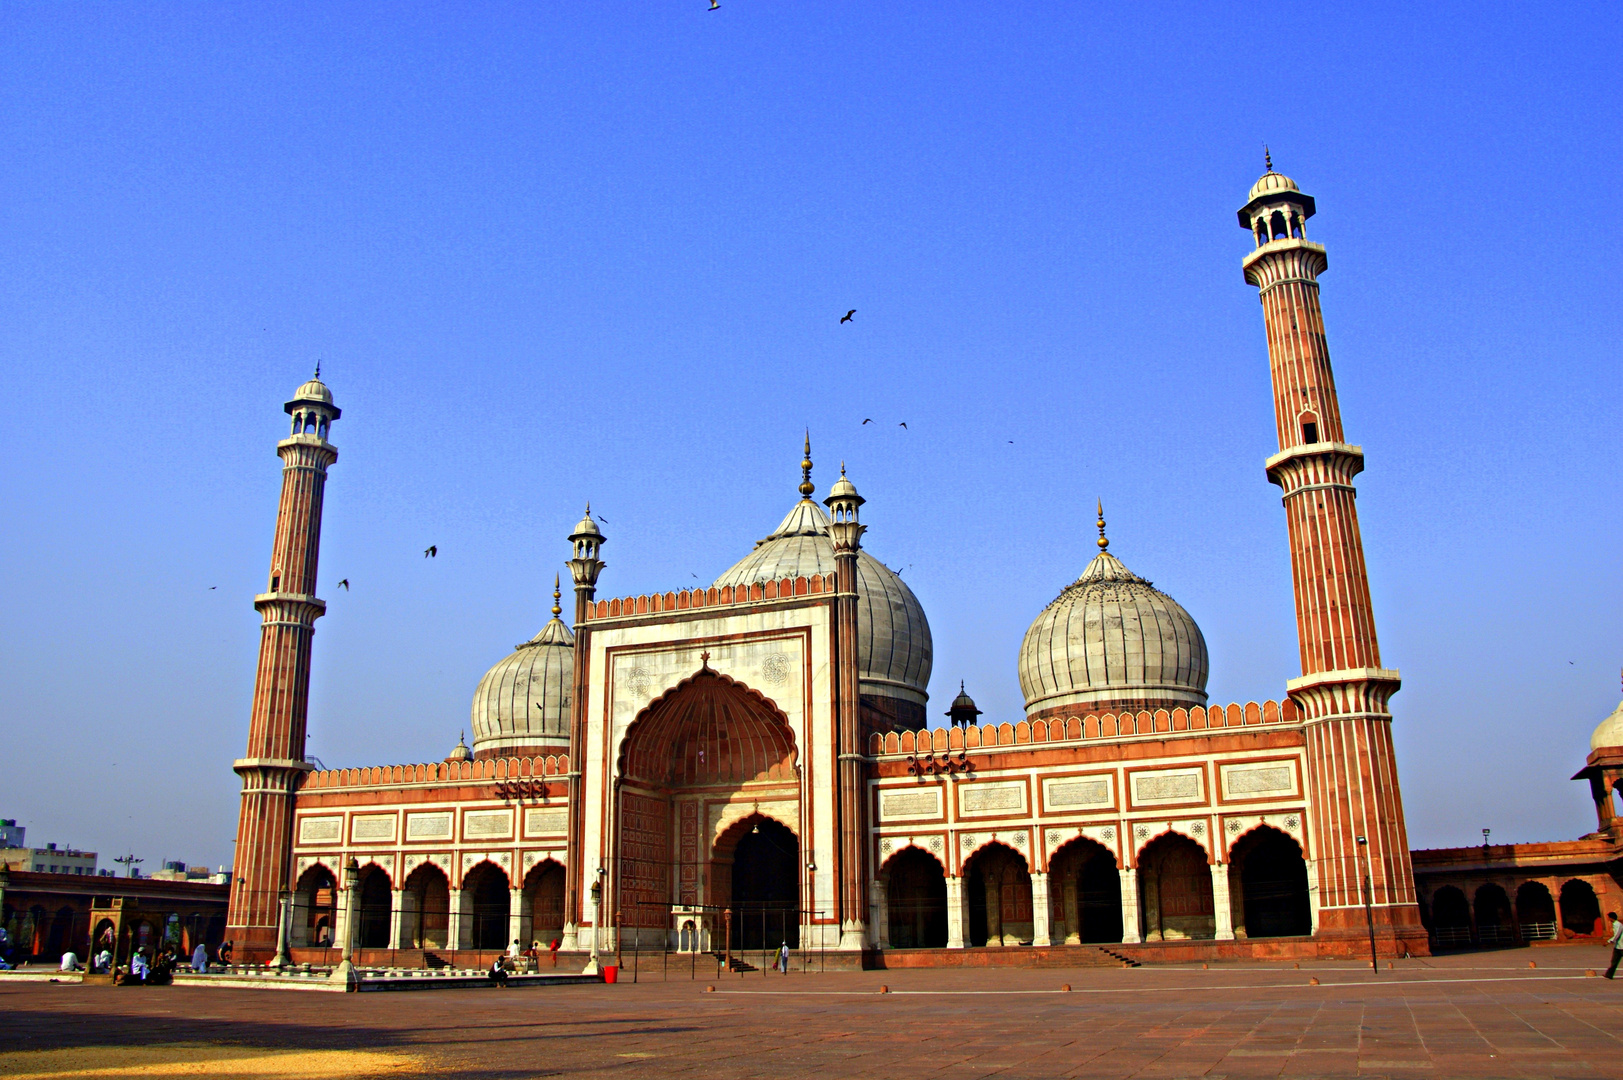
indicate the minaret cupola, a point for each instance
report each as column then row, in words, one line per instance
column 1277, row 209
column 312, row 409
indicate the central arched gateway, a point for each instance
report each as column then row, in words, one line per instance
column 707, row 804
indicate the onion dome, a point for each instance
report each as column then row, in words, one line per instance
column 963, row 710
column 586, row 527
column 1610, row 731
column 522, row 705
column 1111, row 642
column 313, row 391
column 894, row 651
column 460, row 751
column 1274, row 187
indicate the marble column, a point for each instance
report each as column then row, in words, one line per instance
column 1313, row 892
column 1039, row 910
column 957, row 912
column 879, row 914
column 1073, row 913
column 453, row 925
column 515, row 918
column 1220, row 901
column 1129, row 906
column 397, row 917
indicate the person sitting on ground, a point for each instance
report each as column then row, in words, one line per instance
column 103, row 962
column 200, row 959
column 70, row 961
column 498, row 974
column 225, row 953
column 139, row 968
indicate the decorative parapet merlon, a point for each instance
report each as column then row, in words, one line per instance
column 1178, row 722
column 1315, row 465
column 1327, row 695
column 439, row 772
column 727, row 595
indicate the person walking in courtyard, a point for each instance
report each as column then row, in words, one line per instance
column 783, row 958
column 1615, row 940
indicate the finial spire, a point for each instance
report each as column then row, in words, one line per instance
column 557, row 593
column 806, row 486
column 318, row 369
column 1267, row 158
column 1104, row 541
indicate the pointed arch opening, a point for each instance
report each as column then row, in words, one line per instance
column 544, row 903
column 376, row 904
column 1268, row 886
column 1175, row 890
column 690, row 761
column 425, row 902
column 485, row 907
column 315, row 908
column 1535, row 912
column 1084, row 889
column 915, row 899
column 998, row 882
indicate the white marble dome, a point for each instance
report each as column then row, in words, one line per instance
column 1112, row 641
column 522, row 704
column 893, row 638
column 1272, row 183
column 1610, row 731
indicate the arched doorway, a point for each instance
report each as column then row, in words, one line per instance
column 1494, row 922
column 1535, row 911
column 1268, row 876
column 706, row 742
column 764, row 860
column 1175, row 890
column 916, row 900
column 486, row 905
column 1084, row 889
column 425, row 901
column 315, row 908
column 1580, row 911
column 999, row 887
column 544, row 901
column 1450, row 917
column 376, row 902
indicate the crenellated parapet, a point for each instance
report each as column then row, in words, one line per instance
column 1201, row 719
column 438, row 772
column 725, row 596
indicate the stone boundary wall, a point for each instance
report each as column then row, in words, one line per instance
column 1093, row 726
column 687, row 599
column 438, row 772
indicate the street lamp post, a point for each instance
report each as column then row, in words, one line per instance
column 597, row 902
column 345, row 971
column 1369, row 914
column 284, row 928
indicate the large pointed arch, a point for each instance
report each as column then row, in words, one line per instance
column 726, row 731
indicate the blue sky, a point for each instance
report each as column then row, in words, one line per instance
column 566, row 252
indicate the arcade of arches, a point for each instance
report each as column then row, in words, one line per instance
column 1469, row 914
column 1266, row 879
column 422, row 914
column 707, row 744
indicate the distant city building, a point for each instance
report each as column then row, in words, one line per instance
column 11, row 833
column 49, row 859
column 179, row 871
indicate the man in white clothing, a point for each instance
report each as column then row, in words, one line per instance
column 1615, row 940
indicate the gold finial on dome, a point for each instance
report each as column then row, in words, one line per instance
column 806, row 486
column 1104, row 541
column 1267, row 158
column 557, row 593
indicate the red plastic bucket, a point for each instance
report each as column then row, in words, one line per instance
column 611, row 974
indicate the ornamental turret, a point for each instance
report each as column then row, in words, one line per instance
column 288, row 608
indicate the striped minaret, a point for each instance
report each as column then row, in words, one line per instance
column 271, row 768
column 851, row 807
column 1356, row 811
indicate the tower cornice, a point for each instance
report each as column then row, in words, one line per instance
column 1314, row 465
column 1282, row 260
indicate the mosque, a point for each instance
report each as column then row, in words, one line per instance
column 751, row 762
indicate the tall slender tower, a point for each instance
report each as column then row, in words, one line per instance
column 1352, row 779
column 851, row 806
column 274, row 763
column 584, row 568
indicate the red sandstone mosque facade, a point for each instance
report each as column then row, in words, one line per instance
column 750, row 762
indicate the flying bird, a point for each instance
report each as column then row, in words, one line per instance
column 848, row 315
column 432, row 551
column 213, row 587
column 344, row 585
column 601, row 518
column 904, row 423
column 867, row 421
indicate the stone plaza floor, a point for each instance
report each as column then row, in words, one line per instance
column 1479, row 1015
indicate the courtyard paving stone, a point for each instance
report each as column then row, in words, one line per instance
column 1476, row 1015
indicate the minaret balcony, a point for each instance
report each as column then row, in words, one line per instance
column 1314, row 465
column 1285, row 259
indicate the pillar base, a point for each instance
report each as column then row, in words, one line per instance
column 345, row 973
column 853, row 936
